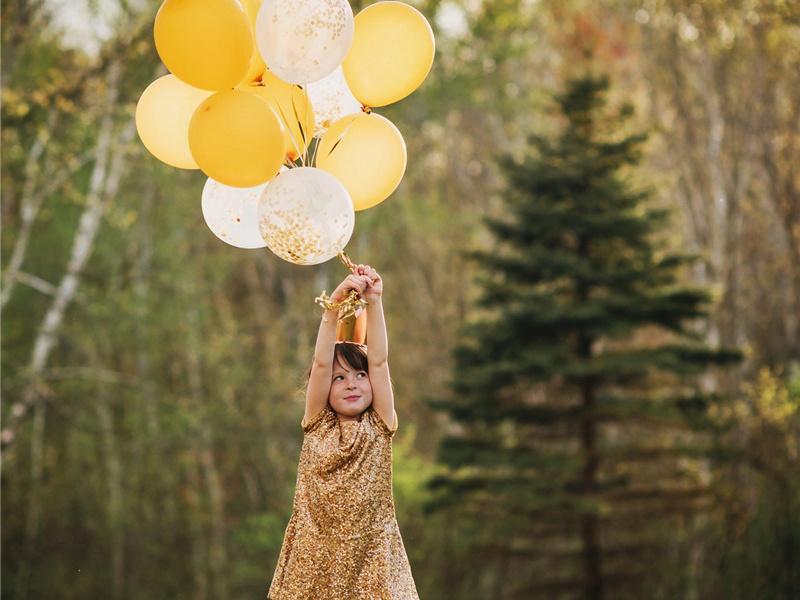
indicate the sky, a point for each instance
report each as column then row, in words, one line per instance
column 86, row 24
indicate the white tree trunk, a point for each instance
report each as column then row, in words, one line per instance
column 34, row 190
column 110, row 166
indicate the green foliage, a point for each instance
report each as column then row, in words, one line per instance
column 759, row 549
column 256, row 543
column 160, row 459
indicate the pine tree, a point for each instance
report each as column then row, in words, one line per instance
column 577, row 409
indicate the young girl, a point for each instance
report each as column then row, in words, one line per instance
column 342, row 541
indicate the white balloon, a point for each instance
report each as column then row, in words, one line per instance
column 331, row 100
column 306, row 216
column 231, row 213
column 302, row 41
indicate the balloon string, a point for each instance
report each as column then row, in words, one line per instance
column 300, row 154
column 345, row 260
column 341, row 136
column 302, row 127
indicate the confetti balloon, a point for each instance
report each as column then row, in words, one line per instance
column 231, row 213
column 306, row 216
column 303, row 40
column 332, row 100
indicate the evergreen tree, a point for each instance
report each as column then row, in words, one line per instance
column 579, row 419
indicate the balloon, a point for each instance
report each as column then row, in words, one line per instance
column 257, row 65
column 366, row 152
column 331, row 99
column 291, row 104
column 305, row 216
column 231, row 213
column 391, row 55
column 205, row 43
column 303, row 40
column 236, row 138
column 162, row 119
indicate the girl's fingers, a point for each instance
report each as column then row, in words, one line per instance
column 368, row 272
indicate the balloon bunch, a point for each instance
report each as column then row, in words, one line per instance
column 256, row 85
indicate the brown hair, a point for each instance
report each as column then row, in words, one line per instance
column 347, row 354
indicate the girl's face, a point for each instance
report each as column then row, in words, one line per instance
column 351, row 392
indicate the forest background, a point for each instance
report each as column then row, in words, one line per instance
column 151, row 374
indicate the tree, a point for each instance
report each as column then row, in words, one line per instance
column 577, row 405
column 730, row 153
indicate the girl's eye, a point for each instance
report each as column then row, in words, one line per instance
column 361, row 375
column 338, row 378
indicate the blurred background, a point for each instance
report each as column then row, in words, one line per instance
column 152, row 375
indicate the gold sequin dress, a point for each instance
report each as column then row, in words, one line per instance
column 342, row 541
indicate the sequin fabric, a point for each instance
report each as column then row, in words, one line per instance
column 342, row 541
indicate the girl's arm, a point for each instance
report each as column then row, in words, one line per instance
column 378, row 346
column 319, row 382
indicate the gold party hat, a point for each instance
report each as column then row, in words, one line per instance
column 353, row 327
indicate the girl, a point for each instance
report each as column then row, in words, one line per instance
column 342, row 541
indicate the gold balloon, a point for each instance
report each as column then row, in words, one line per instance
column 290, row 103
column 367, row 153
column 257, row 65
column 391, row 54
column 205, row 43
column 162, row 120
column 236, row 139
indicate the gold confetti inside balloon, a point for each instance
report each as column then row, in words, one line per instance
column 305, row 216
column 231, row 213
column 303, row 40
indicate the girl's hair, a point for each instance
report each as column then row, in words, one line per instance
column 351, row 355
column 348, row 354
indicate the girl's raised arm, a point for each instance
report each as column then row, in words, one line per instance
column 319, row 381
column 378, row 346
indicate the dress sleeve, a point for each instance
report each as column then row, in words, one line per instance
column 315, row 421
column 381, row 424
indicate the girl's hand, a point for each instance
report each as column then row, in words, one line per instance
column 354, row 281
column 374, row 285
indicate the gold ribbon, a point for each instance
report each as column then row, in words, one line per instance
column 347, row 308
column 351, row 304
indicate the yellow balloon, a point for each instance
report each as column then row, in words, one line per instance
column 236, row 139
column 162, row 120
column 205, row 43
column 391, row 54
column 366, row 152
column 290, row 103
column 257, row 65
